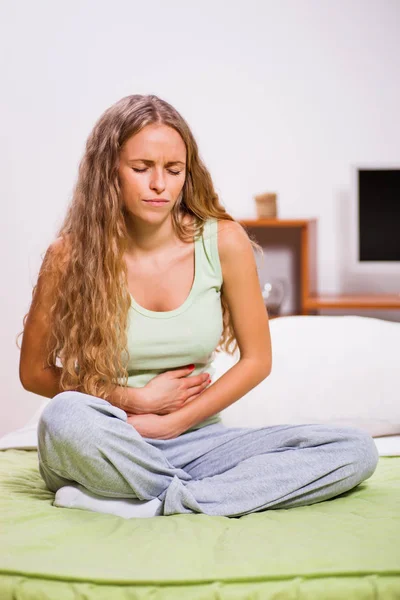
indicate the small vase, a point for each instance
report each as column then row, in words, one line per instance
column 266, row 206
column 274, row 292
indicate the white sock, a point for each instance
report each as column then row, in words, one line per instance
column 76, row 496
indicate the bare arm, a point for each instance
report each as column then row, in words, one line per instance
column 35, row 374
column 233, row 385
column 250, row 323
column 48, row 384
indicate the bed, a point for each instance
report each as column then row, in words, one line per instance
column 346, row 547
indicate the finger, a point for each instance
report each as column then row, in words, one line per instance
column 197, row 390
column 190, row 399
column 183, row 371
column 198, row 380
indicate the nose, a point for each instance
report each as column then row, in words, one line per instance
column 157, row 181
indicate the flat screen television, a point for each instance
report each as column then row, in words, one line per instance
column 378, row 198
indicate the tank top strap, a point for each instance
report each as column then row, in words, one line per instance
column 210, row 247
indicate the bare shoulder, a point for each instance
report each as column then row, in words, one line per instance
column 233, row 241
column 54, row 262
column 59, row 245
column 57, row 253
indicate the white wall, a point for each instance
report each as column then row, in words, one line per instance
column 281, row 96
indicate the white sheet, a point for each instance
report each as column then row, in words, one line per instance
column 26, row 439
column 23, row 439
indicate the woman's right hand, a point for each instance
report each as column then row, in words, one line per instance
column 169, row 391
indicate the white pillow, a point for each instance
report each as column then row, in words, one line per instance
column 25, row 437
column 337, row 370
column 341, row 370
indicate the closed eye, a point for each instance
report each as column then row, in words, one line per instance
column 143, row 170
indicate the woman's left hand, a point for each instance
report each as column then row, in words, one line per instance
column 149, row 425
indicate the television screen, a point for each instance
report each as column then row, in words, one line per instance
column 379, row 214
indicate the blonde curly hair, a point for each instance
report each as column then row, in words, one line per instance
column 88, row 317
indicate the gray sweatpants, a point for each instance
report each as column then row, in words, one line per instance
column 216, row 470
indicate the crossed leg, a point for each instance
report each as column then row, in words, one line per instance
column 215, row 470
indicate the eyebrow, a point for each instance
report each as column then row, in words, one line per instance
column 151, row 162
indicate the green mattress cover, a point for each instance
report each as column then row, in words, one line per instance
column 346, row 547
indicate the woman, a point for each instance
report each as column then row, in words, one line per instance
column 149, row 273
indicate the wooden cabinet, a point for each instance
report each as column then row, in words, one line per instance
column 310, row 301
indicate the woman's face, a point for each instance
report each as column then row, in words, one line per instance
column 152, row 167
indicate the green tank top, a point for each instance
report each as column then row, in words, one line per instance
column 189, row 334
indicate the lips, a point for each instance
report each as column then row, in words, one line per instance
column 156, row 202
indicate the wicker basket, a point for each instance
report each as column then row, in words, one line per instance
column 266, row 206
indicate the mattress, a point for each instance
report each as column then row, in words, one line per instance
column 346, row 547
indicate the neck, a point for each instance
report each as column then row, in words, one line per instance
column 149, row 239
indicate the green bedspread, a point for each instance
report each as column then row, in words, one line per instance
column 347, row 547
